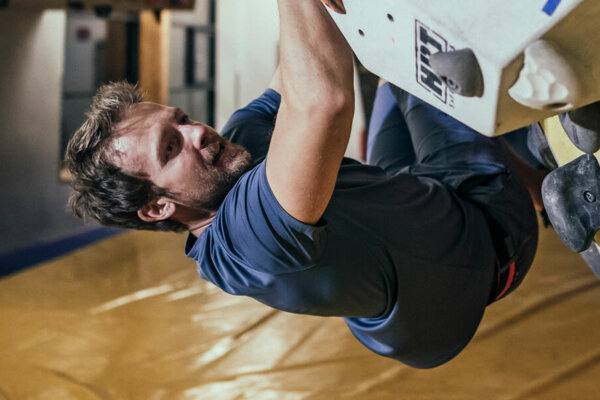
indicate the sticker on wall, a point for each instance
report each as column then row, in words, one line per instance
column 551, row 6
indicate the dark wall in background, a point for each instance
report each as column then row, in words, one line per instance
column 32, row 197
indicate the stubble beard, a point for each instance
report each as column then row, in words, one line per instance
column 212, row 191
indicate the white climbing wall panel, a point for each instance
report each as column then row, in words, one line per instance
column 395, row 38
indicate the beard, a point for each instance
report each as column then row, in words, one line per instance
column 217, row 182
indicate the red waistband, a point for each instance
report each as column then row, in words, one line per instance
column 506, row 278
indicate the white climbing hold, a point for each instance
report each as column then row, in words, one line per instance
column 547, row 80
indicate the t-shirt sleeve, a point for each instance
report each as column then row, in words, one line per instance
column 256, row 231
column 252, row 126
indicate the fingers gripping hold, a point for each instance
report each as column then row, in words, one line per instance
column 335, row 5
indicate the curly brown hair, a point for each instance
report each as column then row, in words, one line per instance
column 101, row 190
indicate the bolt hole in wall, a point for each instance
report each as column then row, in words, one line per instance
column 390, row 18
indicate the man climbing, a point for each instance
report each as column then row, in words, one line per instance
column 409, row 257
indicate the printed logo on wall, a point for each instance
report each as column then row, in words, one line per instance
column 427, row 42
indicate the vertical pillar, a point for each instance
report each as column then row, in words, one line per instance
column 116, row 51
column 154, row 55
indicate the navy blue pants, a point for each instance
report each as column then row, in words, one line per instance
column 407, row 135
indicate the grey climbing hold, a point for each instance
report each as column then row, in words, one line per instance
column 537, row 143
column 571, row 195
column 592, row 258
column 583, row 127
column 460, row 71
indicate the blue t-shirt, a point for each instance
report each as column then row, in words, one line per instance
column 403, row 259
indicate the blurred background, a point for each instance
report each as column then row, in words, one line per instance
column 209, row 63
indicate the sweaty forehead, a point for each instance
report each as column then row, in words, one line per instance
column 134, row 137
column 141, row 116
column 126, row 154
